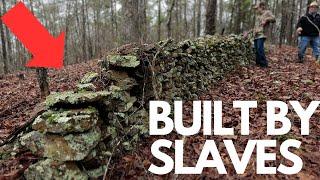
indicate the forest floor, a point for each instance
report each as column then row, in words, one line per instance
column 285, row 80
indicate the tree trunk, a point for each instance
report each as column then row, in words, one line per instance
column 211, row 15
column 185, row 17
column 134, row 20
column 238, row 19
column 231, row 24
column 159, row 20
column 4, row 48
column 300, row 8
column 143, row 27
column 221, row 8
column 283, row 22
column 114, row 21
column 8, row 36
column 291, row 22
column 194, row 24
column 42, row 74
column 84, row 35
column 169, row 30
column 67, row 21
column 199, row 12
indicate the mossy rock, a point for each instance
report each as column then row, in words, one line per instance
column 97, row 173
column 50, row 169
column 71, row 98
column 67, row 121
column 86, row 87
column 123, row 61
column 89, row 78
column 72, row 147
column 121, row 79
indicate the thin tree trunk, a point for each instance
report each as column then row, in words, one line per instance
column 176, row 28
column 211, row 15
column 89, row 37
column 159, row 20
column 185, row 17
column 114, row 23
column 42, row 74
column 67, row 21
column 194, row 26
column 199, row 12
column 221, row 7
column 84, row 35
column 238, row 19
column 142, row 21
column 132, row 20
column 169, row 30
column 4, row 49
column 231, row 25
column 291, row 23
column 8, row 36
column 283, row 22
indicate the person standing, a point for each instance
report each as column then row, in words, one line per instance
column 262, row 24
column 308, row 28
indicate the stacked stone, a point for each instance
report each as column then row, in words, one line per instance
column 80, row 130
column 171, row 71
column 83, row 127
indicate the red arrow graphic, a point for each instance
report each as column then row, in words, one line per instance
column 47, row 50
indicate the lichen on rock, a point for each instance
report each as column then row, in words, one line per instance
column 86, row 87
column 89, row 78
column 72, row 147
column 71, row 98
column 121, row 79
column 67, row 121
column 50, row 169
column 128, row 61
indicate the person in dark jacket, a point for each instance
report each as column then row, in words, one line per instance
column 308, row 28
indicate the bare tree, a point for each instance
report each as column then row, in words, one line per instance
column 84, row 35
column 4, row 48
column 169, row 30
column 134, row 12
column 283, row 22
column 159, row 20
column 239, row 17
column 42, row 74
column 199, row 4
column 211, row 14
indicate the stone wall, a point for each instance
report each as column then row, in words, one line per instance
column 107, row 114
column 86, row 127
column 170, row 70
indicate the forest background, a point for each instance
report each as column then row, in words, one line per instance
column 95, row 26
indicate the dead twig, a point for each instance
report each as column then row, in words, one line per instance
column 39, row 109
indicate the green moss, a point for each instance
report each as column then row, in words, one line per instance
column 123, row 61
column 71, row 98
column 66, row 121
column 52, row 118
column 96, row 173
column 85, row 87
column 50, row 169
column 89, row 78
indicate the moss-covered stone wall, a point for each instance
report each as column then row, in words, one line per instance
column 89, row 125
